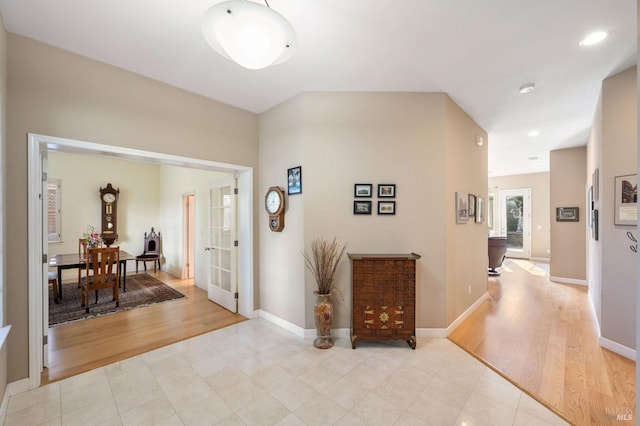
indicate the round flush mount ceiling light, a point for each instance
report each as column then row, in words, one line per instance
column 527, row 88
column 251, row 34
column 533, row 133
column 594, row 38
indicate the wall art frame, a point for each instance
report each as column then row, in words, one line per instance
column 362, row 190
column 386, row 207
column 294, row 180
column 386, row 190
column 472, row 206
column 626, row 200
column 567, row 214
column 462, row 207
column 362, row 207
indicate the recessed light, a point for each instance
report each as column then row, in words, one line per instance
column 593, row 38
column 527, row 88
column 533, row 133
column 533, row 158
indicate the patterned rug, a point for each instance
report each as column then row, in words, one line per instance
column 142, row 290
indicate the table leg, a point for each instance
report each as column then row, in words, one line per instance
column 60, row 284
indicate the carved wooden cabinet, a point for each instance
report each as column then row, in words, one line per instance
column 383, row 288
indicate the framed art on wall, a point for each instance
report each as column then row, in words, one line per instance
column 462, row 207
column 362, row 190
column 567, row 214
column 479, row 209
column 472, row 205
column 294, row 180
column 626, row 200
column 386, row 190
column 362, row 207
column 386, row 207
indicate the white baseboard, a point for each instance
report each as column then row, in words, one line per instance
column 540, row 259
column 466, row 313
column 568, row 281
column 289, row 326
column 431, row 332
column 618, row 348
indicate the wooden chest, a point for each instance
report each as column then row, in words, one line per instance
column 383, row 288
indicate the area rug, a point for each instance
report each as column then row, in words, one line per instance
column 142, row 290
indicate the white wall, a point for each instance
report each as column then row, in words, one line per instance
column 174, row 183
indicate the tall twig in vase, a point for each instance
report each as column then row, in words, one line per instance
column 323, row 263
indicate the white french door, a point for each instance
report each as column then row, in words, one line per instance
column 222, row 248
column 515, row 221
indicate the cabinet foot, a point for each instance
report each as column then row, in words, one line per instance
column 412, row 342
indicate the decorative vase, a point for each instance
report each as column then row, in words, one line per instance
column 323, row 311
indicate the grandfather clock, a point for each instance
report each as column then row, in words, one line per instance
column 109, row 198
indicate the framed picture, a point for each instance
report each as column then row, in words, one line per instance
column 590, row 204
column 462, row 207
column 626, row 200
column 362, row 190
column 472, row 205
column 595, row 183
column 294, row 179
column 362, row 207
column 386, row 190
column 595, row 224
column 386, row 207
column 479, row 209
column 567, row 214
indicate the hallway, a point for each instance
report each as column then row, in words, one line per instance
column 543, row 337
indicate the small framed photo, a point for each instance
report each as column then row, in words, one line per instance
column 387, row 190
column 362, row 207
column 567, row 214
column 626, row 200
column 462, row 207
column 362, row 190
column 472, row 205
column 479, row 209
column 294, row 179
column 386, row 207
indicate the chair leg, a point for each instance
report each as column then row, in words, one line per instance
column 136, row 266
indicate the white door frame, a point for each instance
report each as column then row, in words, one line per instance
column 37, row 144
column 526, row 220
column 188, row 235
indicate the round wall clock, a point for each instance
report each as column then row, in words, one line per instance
column 274, row 204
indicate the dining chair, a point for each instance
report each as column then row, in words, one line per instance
column 53, row 280
column 102, row 271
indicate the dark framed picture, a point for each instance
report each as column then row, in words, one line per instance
column 362, row 190
column 567, row 214
column 294, row 179
column 386, row 207
column 386, row 190
column 462, row 207
column 362, row 207
column 626, row 200
column 472, row 205
column 595, row 224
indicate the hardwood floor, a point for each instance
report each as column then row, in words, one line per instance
column 543, row 337
column 84, row 345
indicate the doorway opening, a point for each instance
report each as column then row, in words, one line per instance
column 188, row 233
column 38, row 146
column 515, row 221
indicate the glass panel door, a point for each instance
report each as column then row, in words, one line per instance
column 515, row 221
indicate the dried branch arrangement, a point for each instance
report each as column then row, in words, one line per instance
column 323, row 263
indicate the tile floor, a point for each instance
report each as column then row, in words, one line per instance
column 256, row 373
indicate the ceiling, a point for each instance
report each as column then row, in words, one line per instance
column 479, row 52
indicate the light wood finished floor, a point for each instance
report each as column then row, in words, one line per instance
column 84, row 345
column 543, row 337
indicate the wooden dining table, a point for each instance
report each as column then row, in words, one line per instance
column 76, row 261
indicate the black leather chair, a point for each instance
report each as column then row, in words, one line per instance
column 151, row 251
column 497, row 251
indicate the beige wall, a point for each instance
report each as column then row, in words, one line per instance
column 57, row 93
column 540, row 217
column 619, row 150
column 3, row 198
column 341, row 139
column 567, row 182
column 594, row 248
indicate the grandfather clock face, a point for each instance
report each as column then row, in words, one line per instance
column 109, row 201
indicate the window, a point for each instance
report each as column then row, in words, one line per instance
column 54, row 210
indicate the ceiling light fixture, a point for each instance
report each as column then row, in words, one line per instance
column 533, row 133
column 527, row 88
column 594, row 38
column 251, row 34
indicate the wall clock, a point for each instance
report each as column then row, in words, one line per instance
column 274, row 204
column 109, row 199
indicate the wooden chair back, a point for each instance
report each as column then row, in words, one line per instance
column 102, row 271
